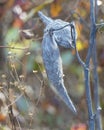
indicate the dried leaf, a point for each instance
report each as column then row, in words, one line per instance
column 79, row 127
column 2, row 117
column 84, row 8
column 18, row 23
column 79, row 28
column 49, row 107
column 36, row 9
column 9, row 3
column 55, row 8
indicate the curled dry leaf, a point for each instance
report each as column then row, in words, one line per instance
column 79, row 126
column 55, row 8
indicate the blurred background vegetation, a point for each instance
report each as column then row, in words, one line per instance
column 26, row 100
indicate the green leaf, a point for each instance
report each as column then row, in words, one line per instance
column 67, row 58
column 22, row 105
column 12, row 35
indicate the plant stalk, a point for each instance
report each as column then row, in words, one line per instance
column 96, row 92
column 87, row 62
column 98, row 123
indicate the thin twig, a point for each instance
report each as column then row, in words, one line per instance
column 99, row 25
column 14, row 47
column 15, row 100
column 18, row 124
column 79, row 59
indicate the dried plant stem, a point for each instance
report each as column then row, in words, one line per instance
column 88, row 99
column 100, row 25
column 15, row 100
column 87, row 62
column 14, row 47
column 98, row 124
column 96, row 92
column 92, row 54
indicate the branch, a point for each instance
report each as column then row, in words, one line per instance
column 86, row 71
column 96, row 91
column 98, row 124
column 87, row 80
column 99, row 25
column 79, row 59
column 14, row 47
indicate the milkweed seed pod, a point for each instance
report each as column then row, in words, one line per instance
column 52, row 60
column 63, row 31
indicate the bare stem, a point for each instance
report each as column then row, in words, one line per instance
column 87, row 62
column 98, row 124
column 96, row 91
column 86, row 71
column 14, row 47
column 100, row 25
